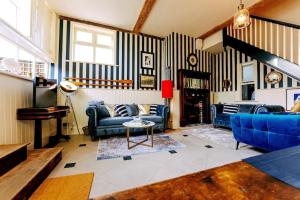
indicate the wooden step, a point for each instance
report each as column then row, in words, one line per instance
column 66, row 187
column 21, row 181
column 11, row 155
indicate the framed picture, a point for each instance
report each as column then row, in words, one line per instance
column 147, row 60
column 147, row 81
column 292, row 96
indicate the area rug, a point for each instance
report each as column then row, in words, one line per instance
column 219, row 136
column 117, row 146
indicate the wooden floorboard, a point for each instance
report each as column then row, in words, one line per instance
column 65, row 188
column 23, row 179
column 8, row 149
column 11, row 156
column 236, row 181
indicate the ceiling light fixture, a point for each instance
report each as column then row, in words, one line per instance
column 241, row 18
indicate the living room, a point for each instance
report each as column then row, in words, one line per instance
column 133, row 99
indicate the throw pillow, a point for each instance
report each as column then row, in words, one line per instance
column 102, row 111
column 144, row 109
column 153, row 109
column 230, row 108
column 111, row 110
column 121, row 110
column 132, row 109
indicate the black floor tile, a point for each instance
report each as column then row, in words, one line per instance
column 208, row 146
column 172, row 151
column 127, row 158
column 185, row 135
column 70, row 165
column 82, row 145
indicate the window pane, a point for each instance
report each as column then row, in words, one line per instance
column 26, row 61
column 248, row 92
column 8, row 12
column 83, row 53
column 84, row 36
column 104, row 55
column 248, row 73
column 105, row 40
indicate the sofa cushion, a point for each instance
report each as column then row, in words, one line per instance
column 246, row 108
column 109, row 121
column 132, row 109
column 121, row 110
column 152, row 118
column 144, row 109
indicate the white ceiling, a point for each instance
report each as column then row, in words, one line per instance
column 192, row 17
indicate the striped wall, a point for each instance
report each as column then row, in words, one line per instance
column 227, row 65
column 277, row 39
column 127, row 63
column 178, row 47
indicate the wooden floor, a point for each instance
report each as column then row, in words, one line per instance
column 236, row 181
column 22, row 180
column 65, row 188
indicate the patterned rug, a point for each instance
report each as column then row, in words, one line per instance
column 219, row 136
column 117, row 146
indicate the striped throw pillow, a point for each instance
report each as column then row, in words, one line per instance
column 230, row 108
column 153, row 109
column 121, row 110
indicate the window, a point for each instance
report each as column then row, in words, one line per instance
column 93, row 45
column 17, row 13
column 248, row 84
column 18, row 61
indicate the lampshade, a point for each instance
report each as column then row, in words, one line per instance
column 167, row 89
column 241, row 18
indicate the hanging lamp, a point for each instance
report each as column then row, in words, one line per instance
column 241, row 17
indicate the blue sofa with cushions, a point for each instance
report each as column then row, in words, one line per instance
column 221, row 119
column 101, row 124
column 266, row 131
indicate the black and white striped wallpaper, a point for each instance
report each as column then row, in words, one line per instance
column 127, row 63
column 227, row 65
column 178, row 47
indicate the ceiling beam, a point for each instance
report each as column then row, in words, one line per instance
column 148, row 5
column 257, row 8
column 106, row 26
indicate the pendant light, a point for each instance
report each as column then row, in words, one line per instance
column 241, row 18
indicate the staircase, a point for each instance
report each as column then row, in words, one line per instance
column 22, row 171
column 271, row 42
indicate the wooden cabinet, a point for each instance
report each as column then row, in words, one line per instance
column 194, row 90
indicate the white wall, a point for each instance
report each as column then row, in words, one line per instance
column 17, row 93
column 109, row 96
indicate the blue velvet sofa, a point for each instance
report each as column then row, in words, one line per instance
column 220, row 119
column 266, row 131
column 100, row 125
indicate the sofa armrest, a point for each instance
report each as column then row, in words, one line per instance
column 269, row 109
column 91, row 112
column 214, row 110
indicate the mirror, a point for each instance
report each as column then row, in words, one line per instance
column 273, row 77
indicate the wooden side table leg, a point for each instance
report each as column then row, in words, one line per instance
column 38, row 134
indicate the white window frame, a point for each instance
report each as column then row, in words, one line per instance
column 248, row 82
column 94, row 31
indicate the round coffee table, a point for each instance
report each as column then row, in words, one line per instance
column 134, row 124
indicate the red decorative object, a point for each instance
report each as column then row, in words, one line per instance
column 167, row 89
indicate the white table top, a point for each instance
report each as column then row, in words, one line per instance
column 135, row 124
